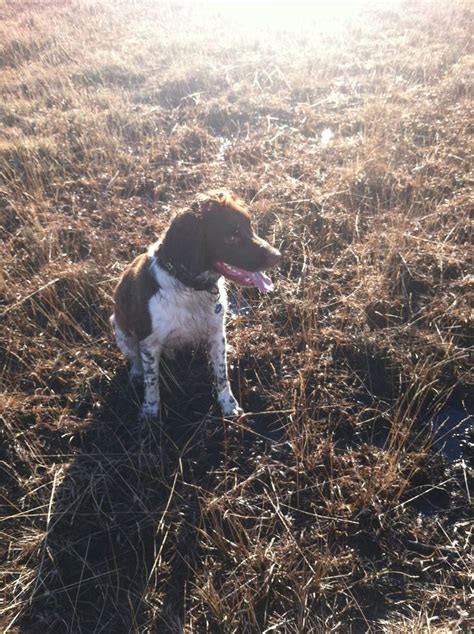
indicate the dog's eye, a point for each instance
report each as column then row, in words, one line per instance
column 233, row 237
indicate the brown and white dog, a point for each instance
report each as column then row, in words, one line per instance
column 175, row 294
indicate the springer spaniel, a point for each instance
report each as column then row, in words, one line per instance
column 175, row 294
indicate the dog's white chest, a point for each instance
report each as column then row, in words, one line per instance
column 190, row 317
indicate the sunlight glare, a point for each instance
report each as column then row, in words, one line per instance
column 297, row 13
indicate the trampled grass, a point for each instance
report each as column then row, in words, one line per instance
column 332, row 505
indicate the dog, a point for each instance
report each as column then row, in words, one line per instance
column 174, row 295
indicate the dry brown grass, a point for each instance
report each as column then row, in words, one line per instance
column 330, row 508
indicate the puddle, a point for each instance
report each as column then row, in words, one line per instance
column 453, row 433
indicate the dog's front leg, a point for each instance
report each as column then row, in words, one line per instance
column 218, row 356
column 150, row 356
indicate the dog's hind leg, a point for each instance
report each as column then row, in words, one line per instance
column 129, row 347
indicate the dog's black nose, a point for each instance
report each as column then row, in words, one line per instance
column 273, row 257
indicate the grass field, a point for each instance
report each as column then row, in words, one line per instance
column 332, row 506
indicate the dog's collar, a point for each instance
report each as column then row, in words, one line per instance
column 183, row 276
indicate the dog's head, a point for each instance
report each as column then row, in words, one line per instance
column 216, row 235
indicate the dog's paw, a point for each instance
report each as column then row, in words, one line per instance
column 229, row 405
column 234, row 412
column 149, row 412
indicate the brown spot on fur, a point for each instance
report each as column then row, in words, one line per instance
column 225, row 200
column 131, row 297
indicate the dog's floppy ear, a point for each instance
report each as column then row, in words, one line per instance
column 183, row 243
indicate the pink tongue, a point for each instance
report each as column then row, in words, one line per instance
column 245, row 278
column 262, row 281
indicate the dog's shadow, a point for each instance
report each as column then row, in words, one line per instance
column 121, row 540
